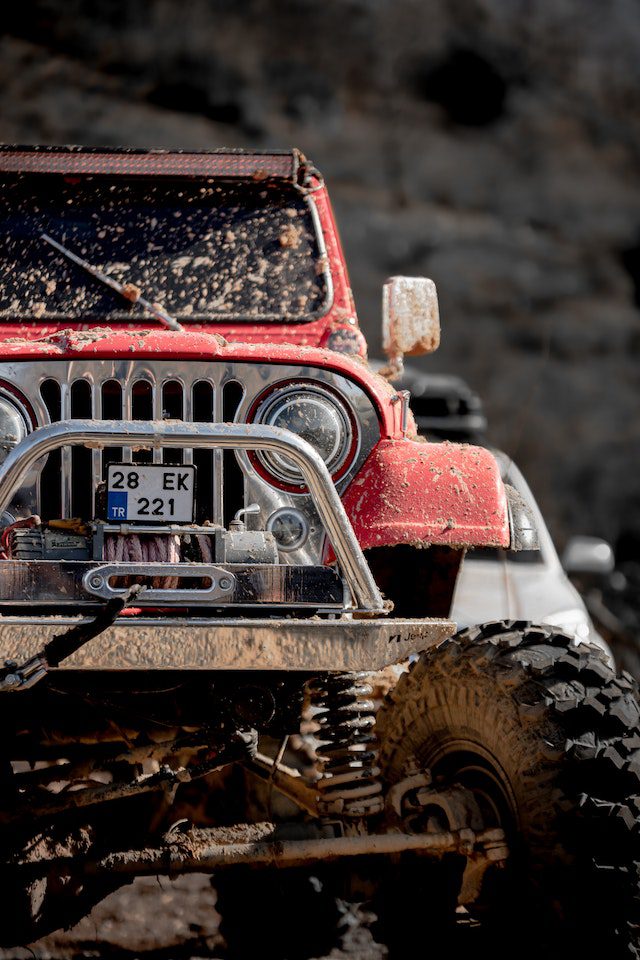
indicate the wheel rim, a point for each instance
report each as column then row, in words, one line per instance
column 469, row 764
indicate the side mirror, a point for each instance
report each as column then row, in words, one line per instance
column 588, row 555
column 410, row 320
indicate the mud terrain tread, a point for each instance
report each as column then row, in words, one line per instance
column 572, row 730
column 471, row 650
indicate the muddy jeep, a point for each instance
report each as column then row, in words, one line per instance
column 226, row 571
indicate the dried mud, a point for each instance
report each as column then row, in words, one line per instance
column 202, row 251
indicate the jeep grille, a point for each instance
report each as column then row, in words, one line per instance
column 215, row 390
column 69, row 481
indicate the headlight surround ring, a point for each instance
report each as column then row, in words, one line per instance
column 289, row 539
column 15, row 422
column 313, row 412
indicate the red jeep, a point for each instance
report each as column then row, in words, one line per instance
column 221, row 540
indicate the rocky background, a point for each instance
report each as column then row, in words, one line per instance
column 492, row 145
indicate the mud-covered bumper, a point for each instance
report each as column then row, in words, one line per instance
column 205, row 644
column 158, row 434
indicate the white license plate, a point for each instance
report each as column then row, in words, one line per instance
column 153, row 494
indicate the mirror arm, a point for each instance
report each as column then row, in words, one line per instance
column 394, row 368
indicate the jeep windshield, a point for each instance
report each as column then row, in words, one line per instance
column 206, row 250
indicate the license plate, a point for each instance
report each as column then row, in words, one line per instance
column 153, row 494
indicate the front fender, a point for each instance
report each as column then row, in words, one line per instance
column 428, row 493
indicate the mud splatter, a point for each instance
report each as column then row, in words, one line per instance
column 192, row 247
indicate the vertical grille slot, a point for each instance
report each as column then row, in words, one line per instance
column 81, row 461
column 142, row 409
column 172, row 409
column 50, row 492
column 202, row 412
column 233, row 477
column 111, row 410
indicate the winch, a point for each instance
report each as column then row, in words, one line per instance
column 126, row 542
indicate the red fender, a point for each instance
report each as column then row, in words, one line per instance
column 428, row 493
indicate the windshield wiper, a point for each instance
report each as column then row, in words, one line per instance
column 127, row 290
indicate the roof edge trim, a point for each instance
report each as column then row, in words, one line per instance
column 78, row 161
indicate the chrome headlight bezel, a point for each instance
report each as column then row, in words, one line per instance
column 297, row 516
column 13, row 414
column 323, row 402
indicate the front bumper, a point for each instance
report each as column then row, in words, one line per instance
column 149, row 643
column 197, row 641
column 158, row 434
column 73, row 585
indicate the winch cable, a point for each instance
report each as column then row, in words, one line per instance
column 24, row 676
column 132, row 548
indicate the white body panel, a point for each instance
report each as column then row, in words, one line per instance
column 500, row 585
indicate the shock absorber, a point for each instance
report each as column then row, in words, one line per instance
column 347, row 754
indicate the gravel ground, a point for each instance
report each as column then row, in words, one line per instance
column 157, row 917
column 162, row 919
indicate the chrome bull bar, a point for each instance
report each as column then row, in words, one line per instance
column 158, row 434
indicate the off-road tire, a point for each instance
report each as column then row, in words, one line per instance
column 561, row 735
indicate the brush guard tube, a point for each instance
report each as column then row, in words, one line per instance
column 159, row 434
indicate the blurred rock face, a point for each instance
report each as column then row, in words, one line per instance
column 492, row 145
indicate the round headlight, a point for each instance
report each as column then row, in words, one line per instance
column 13, row 427
column 313, row 414
column 289, row 527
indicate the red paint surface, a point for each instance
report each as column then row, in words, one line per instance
column 436, row 493
column 407, row 491
column 107, row 344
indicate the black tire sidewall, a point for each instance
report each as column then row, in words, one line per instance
column 479, row 691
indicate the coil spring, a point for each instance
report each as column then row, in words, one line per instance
column 347, row 754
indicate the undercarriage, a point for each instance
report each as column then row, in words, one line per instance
column 503, row 758
column 218, row 707
column 106, row 777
